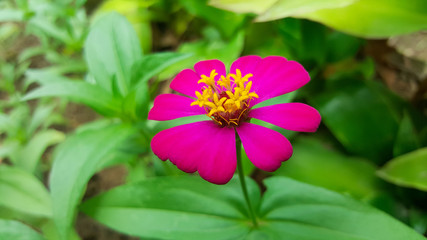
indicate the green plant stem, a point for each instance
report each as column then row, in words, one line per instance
column 242, row 180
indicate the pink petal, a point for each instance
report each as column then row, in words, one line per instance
column 292, row 116
column 218, row 158
column 246, row 64
column 266, row 148
column 205, row 68
column 201, row 146
column 186, row 82
column 172, row 106
column 275, row 76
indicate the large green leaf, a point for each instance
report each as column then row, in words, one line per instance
column 175, row 208
column 22, row 192
column 75, row 161
column 360, row 116
column 111, row 49
column 287, row 8
column 243, row 6
column 136, row 12
column 79, row 91
column 13, row 230
column 375, row 18
column 312, row 161
column 300, row 211
column 189, row 208
column 408, row 170
column 364, row 18
column 275, row 9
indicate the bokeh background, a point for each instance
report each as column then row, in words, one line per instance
column 367, row 61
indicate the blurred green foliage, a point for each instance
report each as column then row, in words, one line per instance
column 371, row 145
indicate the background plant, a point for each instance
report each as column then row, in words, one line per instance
column 371, row 146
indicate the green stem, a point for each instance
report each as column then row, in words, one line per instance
column 242, row 180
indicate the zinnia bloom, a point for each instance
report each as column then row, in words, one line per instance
column 209, row 147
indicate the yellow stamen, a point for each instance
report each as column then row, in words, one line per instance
column 227, row 100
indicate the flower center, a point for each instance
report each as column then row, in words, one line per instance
column 227, row 100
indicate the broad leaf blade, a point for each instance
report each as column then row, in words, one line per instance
column 375, row 18
column 79, row 91
column 76, row 160
column 175, row 208
column 312, row 161
column 287, row 8
column 111, row 49
column 243, row 6
column 408, row 170
column 363, row 18
column 300, row 212
column 22, row 192
column 361, row 116
column 10, row 229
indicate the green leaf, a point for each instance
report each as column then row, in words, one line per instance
column 361, row 117
column 375, row 18
column 175, row 208
column 211, row 47
column 29, row 156
column 137, row 13
column 243, row 6
column 276, row 9
column 406, row 139
column 227, row 23
column 40, row 115
column 22, row 192
column 341, row 46
column 190, row 208
column 287, row 8
column 409, row 170
column 15, row 230
column 303, row 212
column 144, row 69
column 287, row 42
column 6, row 123
column 111, row 49
column 11, row 15
column 76, row 160
column 43, row 76
column 312, row 161
column 49, row 28
column 79, row 91
column 150, row 65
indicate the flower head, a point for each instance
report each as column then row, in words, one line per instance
column 227, row 99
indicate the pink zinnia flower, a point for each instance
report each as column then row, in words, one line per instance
column 209, row 147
